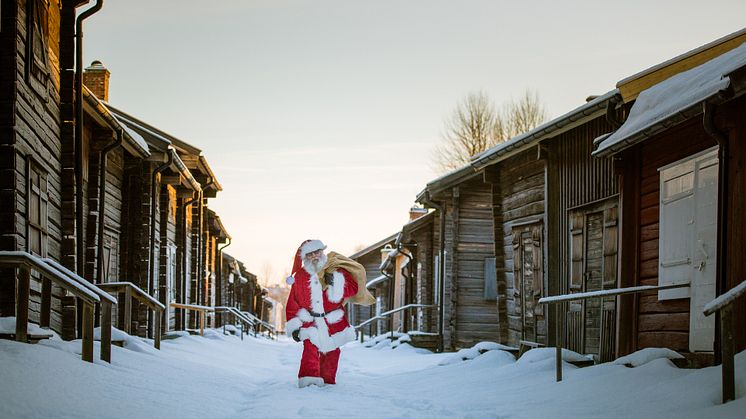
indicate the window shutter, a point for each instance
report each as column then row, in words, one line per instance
column 538, row 268
column 577, row 222
column 676, row 215
column 490, row 279
column 611, row 229
column 517, row 263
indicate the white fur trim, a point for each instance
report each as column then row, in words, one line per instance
column 292, row 325
column 335, row 316
column 307, row 381
column 304, row 315
column 311, row 246
column 346, row 335
column 290, row 280
column 336, row 291
column 317, row 296
column 321, row 339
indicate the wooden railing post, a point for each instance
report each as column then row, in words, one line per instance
column 105, row 330
column 557, row 325
column 46, row 302
column 202, row 322
column 87, row 331
column 128, row 311
column 727, row 348
column 158, row 315
column 22, row 303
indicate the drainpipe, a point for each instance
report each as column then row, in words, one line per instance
column 153, row 202
column 101, row 203
column 721, row 284
column 184, row 284
column 202, row 263
column 441, row 262
column 79, row 217
column 220, row 270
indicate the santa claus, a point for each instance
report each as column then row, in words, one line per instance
column 315, row 313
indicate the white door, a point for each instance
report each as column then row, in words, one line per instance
column 688, row 239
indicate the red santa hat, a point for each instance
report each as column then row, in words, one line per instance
column 305, row 248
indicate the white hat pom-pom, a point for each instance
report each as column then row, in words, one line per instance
column 290, row 280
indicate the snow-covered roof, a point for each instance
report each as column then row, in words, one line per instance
column 656, row 108
column 554, row 127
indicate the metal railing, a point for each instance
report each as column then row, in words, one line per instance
column 25, row 263
column 131, row 291
column 270, row 328
column 385, row 316
column 202, row 310
column 239, row 316
column 589, row 295
column 724, row 304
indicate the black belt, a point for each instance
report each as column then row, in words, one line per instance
column 317, row 314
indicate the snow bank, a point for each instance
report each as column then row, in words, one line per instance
column 643, row 356
column 8, row 326
column 480, row 348
column 540, row 354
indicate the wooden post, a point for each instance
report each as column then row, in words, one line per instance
column 87, row 331
column 128, row 310
column 727, row 348
column 558, row 329
column 202, row 322
column 46, row 302
column 158, row 315
column 22, row 297
column 106, row 330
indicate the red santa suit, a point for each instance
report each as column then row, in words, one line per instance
column 320, row 317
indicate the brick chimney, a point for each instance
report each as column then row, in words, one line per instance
column 96, row 79
column 416, row 212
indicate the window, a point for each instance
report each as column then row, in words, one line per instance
column 37, row 33
column 528, row 277
column 171, row 272
column 490, row 279
column 36, row 209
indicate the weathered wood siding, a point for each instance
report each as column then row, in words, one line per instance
column 474, row 317
column 424, row 270
column 518, row 197
column 166, row 238
column 661, row 323
column 581, row 187
column 29, row 128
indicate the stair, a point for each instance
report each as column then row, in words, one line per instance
column 426, row 341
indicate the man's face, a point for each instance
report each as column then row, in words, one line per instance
column 315, row 256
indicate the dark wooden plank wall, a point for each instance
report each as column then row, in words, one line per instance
column 661, row 323
column 732, row 119
column 575, row 181
column 425, row 287
column 30, row 126
column 519, row 197
column 476, row 318
column 167, row 236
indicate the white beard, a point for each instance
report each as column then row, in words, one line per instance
column 313, row 268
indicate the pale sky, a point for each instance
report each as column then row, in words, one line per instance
column 319, row 117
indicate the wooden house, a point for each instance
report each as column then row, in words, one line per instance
column 466, row 258
column 215, row 235
column 680, row 154
column 378, row 284
column 178, row 180
column 555, row 208
column 418, row 236
column 36, row 46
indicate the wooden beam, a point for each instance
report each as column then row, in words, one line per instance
column 22, row 303
column 728, row 350
column 172, row 179
column 46, row 302
column 87, row 329
column 105, row 330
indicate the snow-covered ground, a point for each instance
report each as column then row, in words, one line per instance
column 220, row 376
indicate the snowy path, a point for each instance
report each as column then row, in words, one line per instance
column 224, row 377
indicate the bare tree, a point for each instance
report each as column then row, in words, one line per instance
column 266, row 273
column 475, row 125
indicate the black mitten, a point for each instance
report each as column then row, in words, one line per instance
column 329, row 279
column 296, row 335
